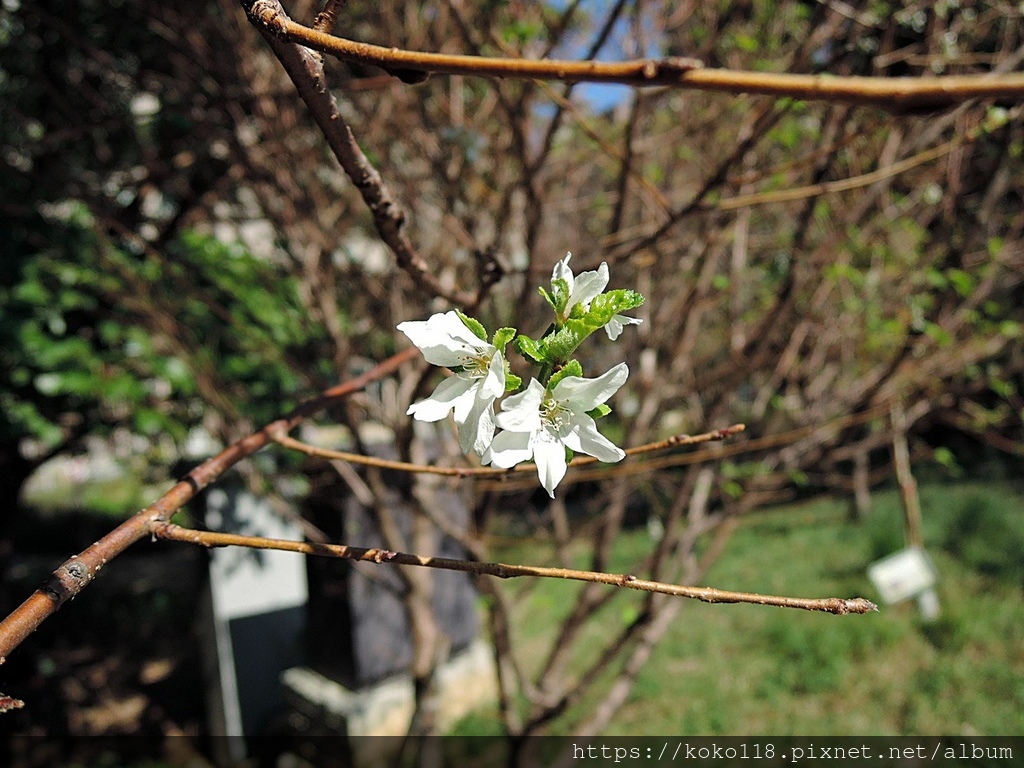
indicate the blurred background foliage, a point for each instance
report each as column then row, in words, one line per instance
column 180, row 247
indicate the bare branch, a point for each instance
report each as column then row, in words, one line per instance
column 328, row 17
column 282, row 438
column 835, row 605
column 893, row 93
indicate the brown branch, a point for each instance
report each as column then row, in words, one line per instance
column 76, row 573
column 832, row 187
column 738, row 449
column 894, row 93
column 328, row 17
column 676, row 441
column 307, row 73
column 839, row 606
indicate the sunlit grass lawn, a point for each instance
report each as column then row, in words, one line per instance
column 743, row 669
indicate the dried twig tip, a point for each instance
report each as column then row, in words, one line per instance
column 856, row 605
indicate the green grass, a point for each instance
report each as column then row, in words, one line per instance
column 744, row 669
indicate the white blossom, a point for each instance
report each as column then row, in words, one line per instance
column 586, row 287
column 614, row 326
column 583, row 288
column 541, row 424
column 478, row 380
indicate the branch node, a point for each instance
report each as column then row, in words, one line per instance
column 270, row 15
column 76, row 572
column 678, row 65
column 408, row 76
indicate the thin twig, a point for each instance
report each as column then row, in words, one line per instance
column 328, row 17
column 835, row 605
column 895, row 93
column 720, row 452
column 853, row 182
column 404, row 466
column 832, row 187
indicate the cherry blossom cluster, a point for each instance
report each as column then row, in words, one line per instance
column 555, row 415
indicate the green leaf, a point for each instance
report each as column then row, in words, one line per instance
column 31, row 293
column 604, row 307
column 502, row 337
column 530, row 348
column 560, row 294
column 563, row 342
column 548, row 298
column 733, row 489
column 512, row 382
column 799, row 478
column 473, row 325
column 935, row 278
column 600, row 412
column 945, row 458
column 746, row 43
column 1001, row 387
column 571, row 368
column 962, row 281
column 939, row 334
column 149, row 421
column 1010, row 328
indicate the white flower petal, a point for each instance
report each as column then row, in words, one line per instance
column 614, row 326
column 585, row 438
column 521, row 412
column 562, row 271
column 451, row 325
column 477, row 430
column 425, row 339
column 586, row 394
column 444, row 339
column 588, row 286
column 438, row 349
column 493, row 384
column 443, row 399
column 508, row 449
column 464, row 403
column 549, row 454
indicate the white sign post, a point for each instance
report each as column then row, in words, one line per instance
column 259, row 600
column 906, row 574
